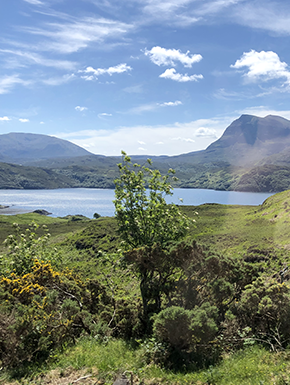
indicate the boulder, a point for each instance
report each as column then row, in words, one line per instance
column 41, row 212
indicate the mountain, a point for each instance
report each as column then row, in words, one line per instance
column 21, row 147
column 246, row 141
column 249, row 139
column 253, row 154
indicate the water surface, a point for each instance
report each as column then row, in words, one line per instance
column 86, row 202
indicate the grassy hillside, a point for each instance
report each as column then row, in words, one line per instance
column 59, row 228
column 256, row 239
column 24, row 177
column 95, row 172
column 238, row 230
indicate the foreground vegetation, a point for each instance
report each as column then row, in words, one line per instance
column 96, row 298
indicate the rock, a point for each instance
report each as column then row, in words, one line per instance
column 41, row 212
column 4, row 207
column 123, row 380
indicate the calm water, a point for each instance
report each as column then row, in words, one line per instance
column 89, row 201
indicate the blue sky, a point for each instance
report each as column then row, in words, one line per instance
column 145, row 76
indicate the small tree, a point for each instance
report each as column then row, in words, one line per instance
column 144, row 217
column 148, row 226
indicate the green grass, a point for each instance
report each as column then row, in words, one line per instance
column 235, row 229
column 100, row 234
column 252, row 366
column 249, row 367
column 59, row 228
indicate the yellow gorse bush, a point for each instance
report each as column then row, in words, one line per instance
column 37, row 282
column 45, row 309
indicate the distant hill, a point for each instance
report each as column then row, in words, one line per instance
column 14, row 176
column 253, row 154
column 19, row 147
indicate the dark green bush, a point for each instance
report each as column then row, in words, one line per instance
column 265, row 308
column 189, row 334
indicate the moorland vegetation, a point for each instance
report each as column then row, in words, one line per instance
column 172, row 294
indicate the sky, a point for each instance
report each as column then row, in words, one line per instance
column 149, row 77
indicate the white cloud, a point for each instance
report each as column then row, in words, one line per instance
column 184, row 139
column 34, row 58
column 4, row 119
column 266, row 15
column 57, row 81
column 9, row 82
column 34, row 2
column 173, row 75
column 73, row 34
column 104, row 114
column 137, row 89
column 262, row 66
column 23, row 120
column 172, row 139
column 231, row 95
column 143, row 108
column 183, row 13
column 170, row 57
column 214, row 7
column 81, row 109
column 206, row 132
column 153, row 106
column 165, row 7
column 41, row 122
column 174, row 11
column 88, row 78
column 170, row 104
column 263, row 111
column 94, row 73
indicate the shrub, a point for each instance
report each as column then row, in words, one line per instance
column 265, row 308
column 189, row 334
column 45, row 309
column 24, row 248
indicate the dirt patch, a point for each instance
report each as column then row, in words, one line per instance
column 65, row 377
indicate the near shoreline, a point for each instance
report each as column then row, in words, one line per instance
column 12, row 210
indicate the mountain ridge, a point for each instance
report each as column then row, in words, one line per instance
column 253, row 154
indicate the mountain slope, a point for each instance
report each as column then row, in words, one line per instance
column 249, row 139
column 20, row 147
column 245, row 142
column 14, row 176
column 253, row 154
